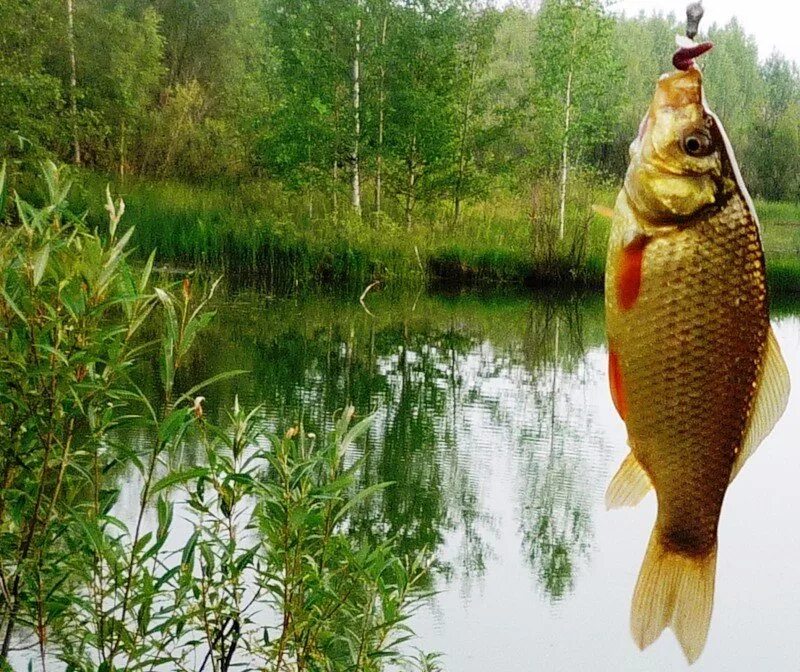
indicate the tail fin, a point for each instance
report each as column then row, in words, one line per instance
column 674, row 591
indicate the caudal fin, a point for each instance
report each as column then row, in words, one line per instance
column 675, row 591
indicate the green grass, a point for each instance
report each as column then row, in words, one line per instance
column 259, row 233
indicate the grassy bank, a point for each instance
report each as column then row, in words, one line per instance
column 260, row 234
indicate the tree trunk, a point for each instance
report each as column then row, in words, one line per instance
column 562, row 213
column 381, row 104
column 122, row 151
column 462, row 151
column 357, row 120
column 73, row 81
column 411, row 183
column 335, row 190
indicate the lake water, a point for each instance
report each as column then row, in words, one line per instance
column 495, row 422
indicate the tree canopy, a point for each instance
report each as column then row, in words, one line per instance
column 422, row 100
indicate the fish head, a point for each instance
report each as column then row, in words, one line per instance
column 678, row 162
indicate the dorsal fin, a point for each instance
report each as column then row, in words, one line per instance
column 772, row 395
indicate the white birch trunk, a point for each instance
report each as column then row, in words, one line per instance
column 562, row 213
column 73, row 81
column 122, row 130
column 381, row 104
column 357, row 120
column 335, row 190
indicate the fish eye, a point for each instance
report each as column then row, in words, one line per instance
column 697, row 143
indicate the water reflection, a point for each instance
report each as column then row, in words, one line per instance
column 459, row 386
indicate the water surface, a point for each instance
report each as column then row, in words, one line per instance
column 495, row 423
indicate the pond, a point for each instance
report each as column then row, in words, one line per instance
column 495, row 424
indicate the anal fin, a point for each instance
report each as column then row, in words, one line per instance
column 629, row 485
column 772, row 395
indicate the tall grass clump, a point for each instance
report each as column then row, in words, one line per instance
column 261, row 234
column 261, row 571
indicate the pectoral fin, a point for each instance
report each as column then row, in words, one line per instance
column 629, row 485
column 772, row 395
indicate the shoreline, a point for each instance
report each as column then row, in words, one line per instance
column 260, row 239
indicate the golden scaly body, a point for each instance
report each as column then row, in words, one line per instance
column 694, row 368
column 690, row 350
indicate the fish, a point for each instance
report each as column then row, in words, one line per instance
column 695, row 370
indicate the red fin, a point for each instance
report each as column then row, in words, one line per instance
column 616, row 384
column 630, row 274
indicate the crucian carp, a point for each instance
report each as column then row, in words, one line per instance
column 694, row 368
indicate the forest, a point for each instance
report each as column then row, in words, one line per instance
column 481, row 129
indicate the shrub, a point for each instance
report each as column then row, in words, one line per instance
column 268, row 575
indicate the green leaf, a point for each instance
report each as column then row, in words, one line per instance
column 40, row 264
column 245, row 558
column 187, row 556
column 179, row 477
column 359, row 497
column 143, row 541
column 171, row 425
column 148, row 269
column 14, row 306
column 190, row 393
column 165, row 511
column 358, row 430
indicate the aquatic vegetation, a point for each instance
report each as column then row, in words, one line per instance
column 261, row 234
column 268, row 572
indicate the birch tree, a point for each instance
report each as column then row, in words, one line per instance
column 577, row 82
column 356, row 198
column 381, row 59
column 422, row 103
column 73, row 82
column 475, row 48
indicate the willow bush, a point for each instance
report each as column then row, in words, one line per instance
column 266, row 577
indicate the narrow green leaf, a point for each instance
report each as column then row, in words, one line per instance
column 358, row 430
column 179, row 477
column 189, row 394
column 148, row 269
column 169, row 427
column 187, row 556
column 359, row 497
column 40, row 264
column 14, row 306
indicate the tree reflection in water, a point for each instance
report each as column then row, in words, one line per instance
column 556, row 486
column 457, row 386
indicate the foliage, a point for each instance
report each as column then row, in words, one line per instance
column 577, row 69
column 101, row 586
column 461, row 106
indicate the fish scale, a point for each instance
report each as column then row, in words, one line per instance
column 689, row 351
